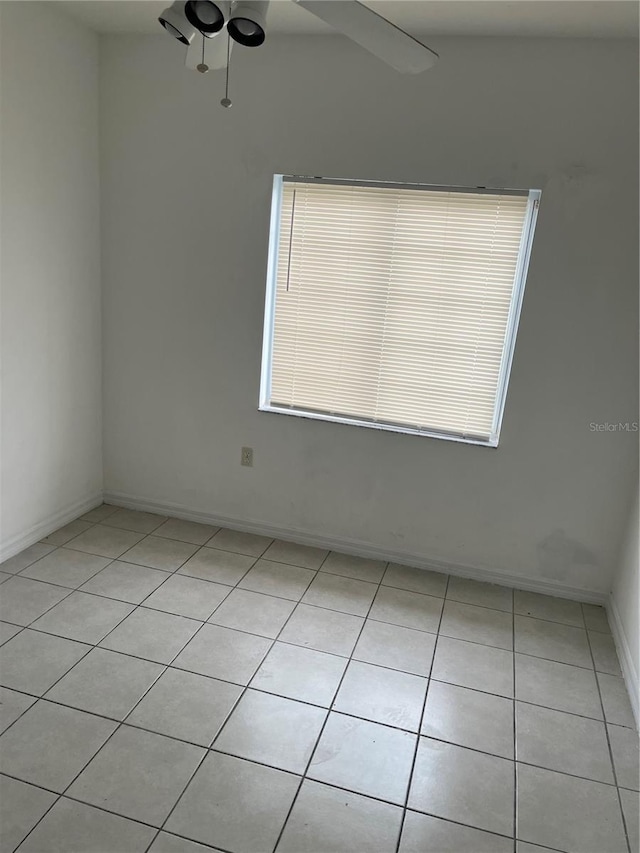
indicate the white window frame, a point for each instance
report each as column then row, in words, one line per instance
column 524, row 254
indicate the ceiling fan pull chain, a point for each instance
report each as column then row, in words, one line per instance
column 226, row 101
column 202, row 67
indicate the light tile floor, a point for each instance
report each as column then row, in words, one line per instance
column 170, row 687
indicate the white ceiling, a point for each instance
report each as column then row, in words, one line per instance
column 555, row 18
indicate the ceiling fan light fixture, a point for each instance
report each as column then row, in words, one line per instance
column 175, row 23
column 247, row 22
column 207, row 16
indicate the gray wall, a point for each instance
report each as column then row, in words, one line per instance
column 186, row 194
column 51, row 436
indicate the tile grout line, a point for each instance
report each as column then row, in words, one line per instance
column 606, row 731
column 235, row 704
column 421, row 721
column 329, row 709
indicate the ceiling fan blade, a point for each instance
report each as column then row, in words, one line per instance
column 215, row 52
column 374, row 33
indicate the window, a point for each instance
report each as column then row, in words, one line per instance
column 394, row 306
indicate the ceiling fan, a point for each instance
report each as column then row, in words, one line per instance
column 245, row 22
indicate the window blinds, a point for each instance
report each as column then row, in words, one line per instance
column 392, row 305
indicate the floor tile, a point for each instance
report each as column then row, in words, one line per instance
column 562, row 742
column 186, row 531
column 396, row 647
column 481, row 594
column 471, row 665
column 234, row 804
column 463, row 785
column 271, row 730
column 626, row 758
column 469, row 718
column 604, row 653
column 21, row 807
column 277, row 579
column 343, row 594
column 106, row 683
column 548, row 607
column 630, row 809
column 324, row 630
column 568, row 813
column 296, row 555
column 99, row 513
column 335, row 821
column 4, row 577
column 12, row 705
column 24, row 600
column 407, row 609
column 64, row 534
column 552, row 641
column 186, row 706
column 253, row 612
column 50, row 744
column 615, row 699
column 25, row 558
column 65, row 567
column 298, row 673
column 477, row 624
column 525, row 847
column 125, row 582
column 557, row 685
column 223, row 653
column 105, row 541
column 166, row 843
column 415, row 580
column 138, row 774
column 187, row 596
column 349, row 566
column 364, row 757
column 158, row 553
column 152, row 635
column 82, row 617
column 33, row 662
column 422, row 833
column 249, row 544
column 71, row 826
column 131, row 519
column 382, row 695
column 595, row 618
column 220, row 566
column 8, row 631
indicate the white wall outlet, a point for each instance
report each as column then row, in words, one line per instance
column 247, row 457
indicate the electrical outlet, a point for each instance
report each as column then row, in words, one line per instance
column 247, row 457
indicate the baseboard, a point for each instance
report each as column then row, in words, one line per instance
column 43, row 528
column 356, row 547
column 629, row 671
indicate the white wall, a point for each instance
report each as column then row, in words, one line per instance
column 186, row 193
column 624, row 607
column 51, row 336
